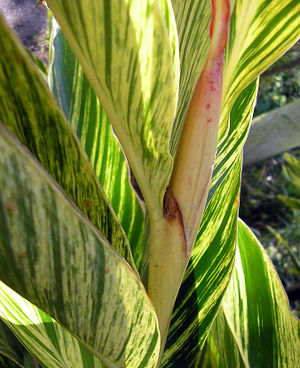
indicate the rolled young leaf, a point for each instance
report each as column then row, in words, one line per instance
column 30, row 112
column 172, row 235
column 53, row 256
column 205, row 280
column 256, row 328
column 184, row 347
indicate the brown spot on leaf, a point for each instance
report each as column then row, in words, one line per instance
column 23, row 255
column 10, row 205
column 18, row 58
column 87, row 204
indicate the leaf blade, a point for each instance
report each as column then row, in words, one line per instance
column 88, row 119
column 109, row 38
column 261, row 31
column 256, row 310
column 47, row 341
column 25, row 99
column 55, row 258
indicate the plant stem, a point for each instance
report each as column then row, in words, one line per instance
column 173, row 232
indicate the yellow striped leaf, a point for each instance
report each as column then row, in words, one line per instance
column 260, row 32
column 30, row 112
column 46, row 340
column 255, row 327
column 88, row 119
column 51, row 255
column 125, row 52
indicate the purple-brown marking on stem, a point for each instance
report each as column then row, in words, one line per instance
column 171, row 213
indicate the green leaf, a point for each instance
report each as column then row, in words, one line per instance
column 256, row 327
column 230, row 149
column 9, row 345
column 41, row 66
column 52, row 256
column 293, row 203
column 30, row 112
column 291, row 171
column 209, row 356
column 88, row 119
column 260, row 32
column 46, row 340
column 125, row 52
column 192, row 20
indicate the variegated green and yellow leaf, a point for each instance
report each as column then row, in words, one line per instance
column 125, row 52
column 255, row 327
column 192, row 19
column 46, row 340
column 30, row 112
column 260, row 32
column 53, row 256
column 209, row 356
column 87, row 117
column 170, row 22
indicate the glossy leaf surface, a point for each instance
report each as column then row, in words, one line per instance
column 54, row 257
column 255, row 327
column 30, row 112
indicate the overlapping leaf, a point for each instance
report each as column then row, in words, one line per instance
column 51, row 255
column 86, row 115
column 255, row 327
column 47, row 341
column 29, row 111
column 125, row 52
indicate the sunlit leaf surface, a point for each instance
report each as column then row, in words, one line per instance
column 125, row 50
